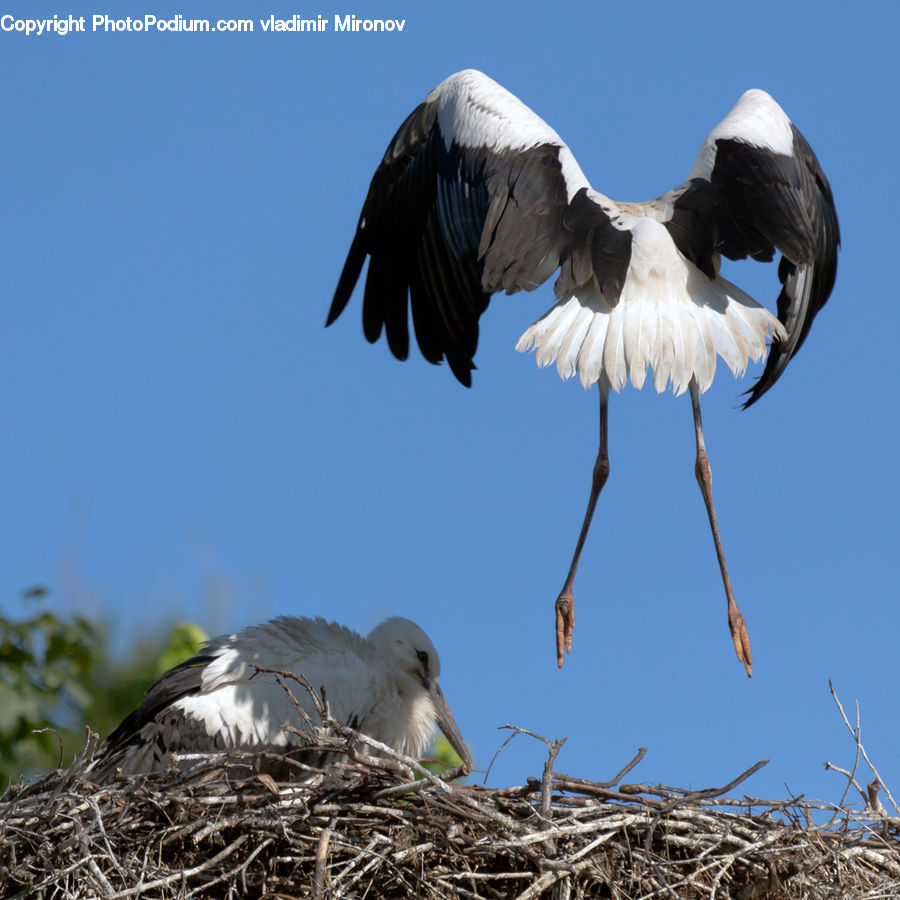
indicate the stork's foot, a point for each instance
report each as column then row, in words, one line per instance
column 739, row 636
column 565, row 624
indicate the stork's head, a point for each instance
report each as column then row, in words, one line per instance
column 408, row 651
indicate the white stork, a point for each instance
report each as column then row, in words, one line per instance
column 385, row 685
column 477, row 194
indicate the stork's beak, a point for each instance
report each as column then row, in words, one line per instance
column 448, row 725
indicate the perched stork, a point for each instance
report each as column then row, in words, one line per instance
column 477, row 194
column 385, row 685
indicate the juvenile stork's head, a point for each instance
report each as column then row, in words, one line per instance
column 410, row 657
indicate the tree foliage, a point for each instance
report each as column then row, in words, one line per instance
column 58, row 673
column 45, row 673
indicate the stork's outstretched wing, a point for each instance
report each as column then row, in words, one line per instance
column 475, row 194
column 762, row 189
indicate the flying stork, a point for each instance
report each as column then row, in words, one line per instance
column 477, row 194
column 385, row 685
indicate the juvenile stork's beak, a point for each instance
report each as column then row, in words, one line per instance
column 448, row 725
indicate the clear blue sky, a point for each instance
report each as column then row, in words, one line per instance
column 183, row 438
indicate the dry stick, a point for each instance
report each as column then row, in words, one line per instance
column 538, row 887
column 32, row 889
column 641, row 753
column 554, row 747
column 550, row 878
column 862, row 749
column 572, row 781
column 547, row 779
column 280, row 676
column 851, row 782
column 410, row 763
column 352, row 863
column 632, row 797
column 376, row 858
column 407, row 787
column 451, row 773
column 59, row 741
column 106, row 887
column 318, row 885
column 186, row 873
column 694, row 796
column 725, row 862
column 546, row 790
column 499, row 751
column 523, row 841
column 98, row 816
column 483, row 876
column 872, row 789
column 851, row 775
column 873, row 857
column 773, row 883
column 710, row 793
column 230, row 873
column 401, row 855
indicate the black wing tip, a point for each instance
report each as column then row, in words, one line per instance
column 755, row 392
column 356, row 257
column 462, row 368
column 397, row 344
column 779, row 357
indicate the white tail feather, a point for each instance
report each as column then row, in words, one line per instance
column 590, row 357
column 614, row 366
column 670, row 316
column 566, row 361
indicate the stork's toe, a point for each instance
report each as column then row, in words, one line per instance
column 565, row 624
column 740, row 637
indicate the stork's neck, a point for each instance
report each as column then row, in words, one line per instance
column 404, row 719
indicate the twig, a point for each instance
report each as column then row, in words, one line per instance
column 858, row 739
column 187, row 873
column 593, row 785
column 553, row 748
column 318, row 885
column 59, row 741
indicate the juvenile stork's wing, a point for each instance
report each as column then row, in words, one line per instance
column 757, row 187
column 475, row 194
column 146, row 737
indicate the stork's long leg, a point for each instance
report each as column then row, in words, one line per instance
column 704, row 479
column 565, row 602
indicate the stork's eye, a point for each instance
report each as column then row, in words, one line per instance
column 422, row 656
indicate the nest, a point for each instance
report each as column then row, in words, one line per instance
column 366, row 828
column 386, row 827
